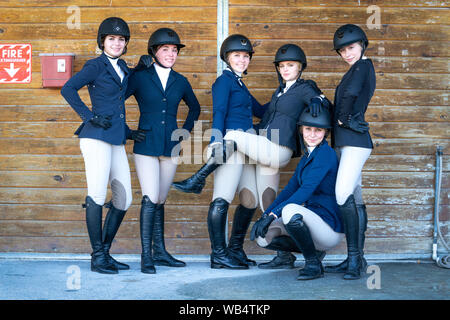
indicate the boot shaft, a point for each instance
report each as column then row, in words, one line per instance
column 94, row 224
column 113, row 220
column 147, row 220
column 217, row 219
column 350, row 220
column 241, row 221
column 299, row 232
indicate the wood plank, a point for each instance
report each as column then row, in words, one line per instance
column 331, row 80
column 341, row 3
column 108, row 3
column 382, row 48
column 54, row 179
column 50, row 130
column 139, row 31
column 181, row 3
column 381, row 64
column 74, row 212
column 23, row 97
column 130, row 229
column 374, row 113
column 413, row 245
column 52, row 96
column 383, row 97
column 358, row 15
column 77, row 196
column 325, row 31
column 93, row 15
column 70, row 146
column 379, row 163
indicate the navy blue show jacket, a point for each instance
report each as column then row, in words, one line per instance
column 233, row 105
column 158, row 109
column 352, row 97
column 107, row 97
column 313, row 186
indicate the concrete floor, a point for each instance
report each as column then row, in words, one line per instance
column 66, row 279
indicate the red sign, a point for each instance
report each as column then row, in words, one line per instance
column 15, row 63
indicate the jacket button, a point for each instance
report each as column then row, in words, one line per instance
column 162, row 122
column 164, row 99
column 121, row 115
column 164, row 111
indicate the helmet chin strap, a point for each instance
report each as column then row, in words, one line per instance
column 114, row 58
column 234, row 72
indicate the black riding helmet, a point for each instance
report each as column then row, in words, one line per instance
column 348, row 34
column 235, row 42
column 163, row 36
column 113, row 26
column 289, row 52
column 323, row 119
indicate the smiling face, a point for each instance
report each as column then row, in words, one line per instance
column 167, row 55
column 239, row 60
column 351, row 53
column 114, row 45
column 289, row 70
column 313, row 136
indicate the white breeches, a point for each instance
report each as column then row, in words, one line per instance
column 106, row 163
column 349, row 174
column 155, row 175
column 259, row 149
column 323, row 236
column 252, row 171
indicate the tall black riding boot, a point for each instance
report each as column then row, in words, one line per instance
column 112, row 223
column 160, row 255
column 217, row 220
column 284, row 259
column 196, row 182
column 241, row 221
column 147, row 219
column 342, row 267
column 299, row 232
column 99, row 261
column 351, row 228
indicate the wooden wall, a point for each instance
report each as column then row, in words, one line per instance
column 42, row 182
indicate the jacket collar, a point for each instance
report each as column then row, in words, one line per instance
column 230, row 75
column 122, row 64
column 311, row 156
column 155, row 78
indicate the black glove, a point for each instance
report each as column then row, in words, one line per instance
column 314, row 106
column 261, row 226
column 137, row 135
column 144, row 62
column 352, row 122
column 101, row 121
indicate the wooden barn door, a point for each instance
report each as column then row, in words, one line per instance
column 42, row 181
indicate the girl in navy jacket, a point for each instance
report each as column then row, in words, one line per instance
column 159, row 90
column 233, row 110
column 103, row 134
column 305, row 217
column 353, row 142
